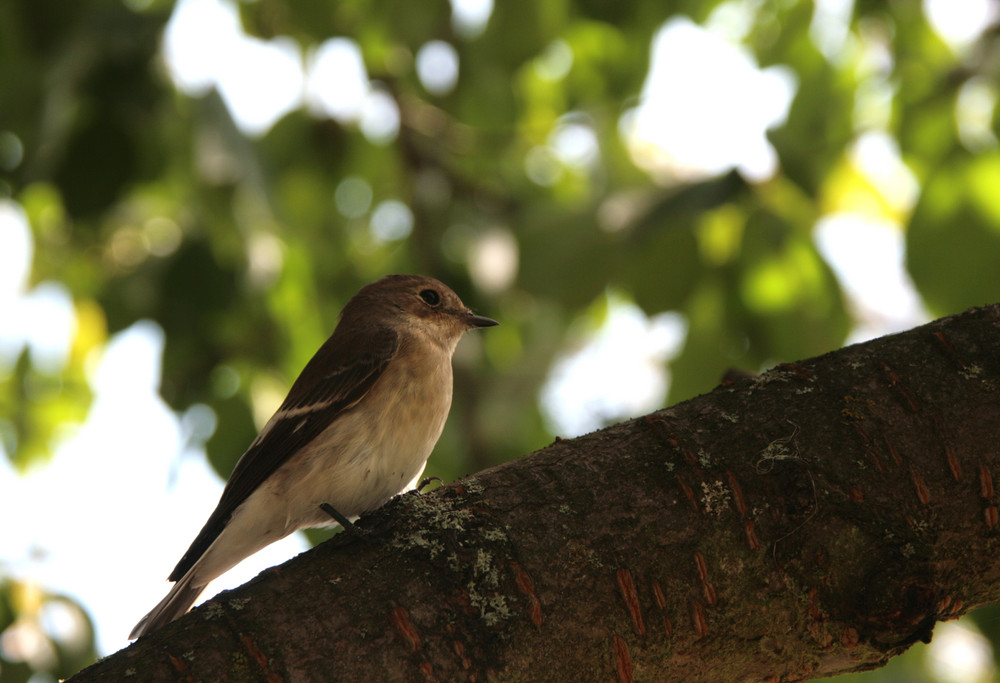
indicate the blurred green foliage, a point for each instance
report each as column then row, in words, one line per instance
column 147, row 203
column 46, row 636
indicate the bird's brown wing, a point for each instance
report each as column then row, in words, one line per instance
column 335, row 379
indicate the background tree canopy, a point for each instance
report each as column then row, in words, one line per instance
column 747, row 167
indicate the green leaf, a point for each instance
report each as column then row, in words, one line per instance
column 234, row 432
column 953, row 239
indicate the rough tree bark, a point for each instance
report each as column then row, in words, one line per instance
column 819, row 518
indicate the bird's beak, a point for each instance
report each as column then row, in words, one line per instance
column 479, row 321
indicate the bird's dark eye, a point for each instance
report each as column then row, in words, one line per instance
column 431, row 297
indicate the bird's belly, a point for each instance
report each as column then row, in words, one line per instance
column 365, row 457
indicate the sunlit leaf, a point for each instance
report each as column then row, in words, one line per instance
column 953, row 240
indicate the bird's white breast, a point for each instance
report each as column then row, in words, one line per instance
column 364, row 457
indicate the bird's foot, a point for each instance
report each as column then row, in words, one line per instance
column 425, row 481
column 341, row 520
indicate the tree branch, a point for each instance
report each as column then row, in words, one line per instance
column 817, row 519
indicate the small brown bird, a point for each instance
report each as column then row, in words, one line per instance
column 356, row 429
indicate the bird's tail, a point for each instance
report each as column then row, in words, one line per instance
column 178, row 601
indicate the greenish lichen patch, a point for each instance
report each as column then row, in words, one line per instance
column 238, row 603
column 704, row 459
column 472, row 485
column 715, row 497
column 212, row 610
column 971, row 372
column 485, row 590
column 467, row 545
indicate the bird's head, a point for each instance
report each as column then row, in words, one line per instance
column 420, row 303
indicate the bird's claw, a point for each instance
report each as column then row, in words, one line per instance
column 425, row 481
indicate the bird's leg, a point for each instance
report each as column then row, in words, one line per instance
column 343, row 521
column 425, row 481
